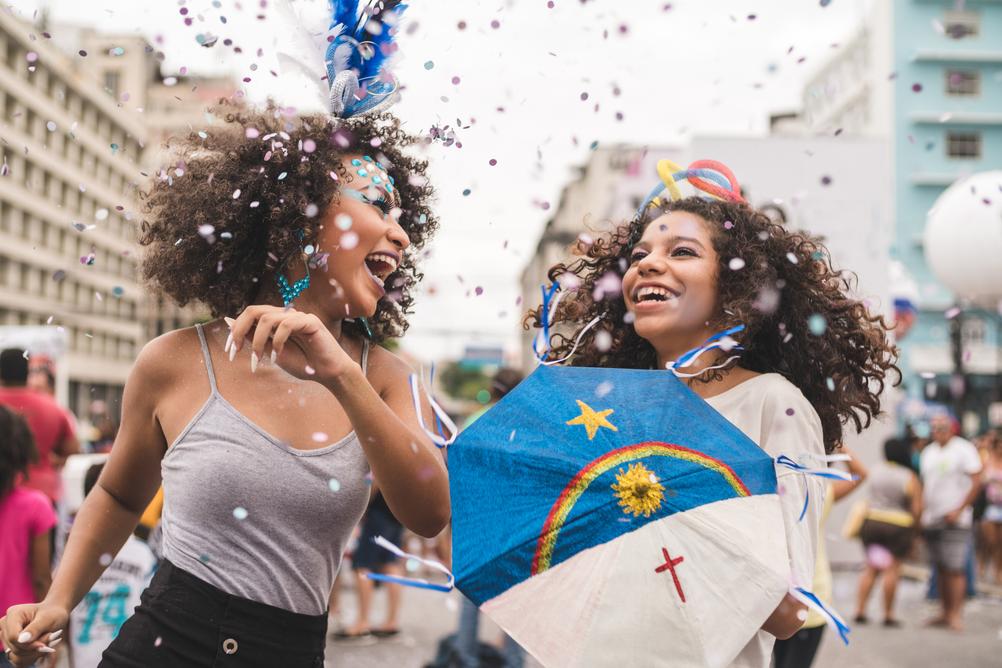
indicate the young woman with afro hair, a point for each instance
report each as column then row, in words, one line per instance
column 269, row 424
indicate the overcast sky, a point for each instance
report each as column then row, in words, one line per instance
column 671, row 69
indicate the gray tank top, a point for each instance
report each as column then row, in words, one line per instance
column 255, row 517
column 889, row 487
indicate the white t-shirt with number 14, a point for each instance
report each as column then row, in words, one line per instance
column 96, row 621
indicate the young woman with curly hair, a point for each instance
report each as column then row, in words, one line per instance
column 813, row 357
column 264, row 429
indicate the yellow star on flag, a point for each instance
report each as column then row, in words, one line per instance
column 592, row 419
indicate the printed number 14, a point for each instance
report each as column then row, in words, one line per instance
column 113, row 612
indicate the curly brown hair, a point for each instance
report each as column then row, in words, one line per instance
column 785, row 294
column 17, row 448
column 234, row 203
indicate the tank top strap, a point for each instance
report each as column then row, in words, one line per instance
column 208, row 358
column 365, row 356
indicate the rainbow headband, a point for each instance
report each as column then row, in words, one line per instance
column 707, row 176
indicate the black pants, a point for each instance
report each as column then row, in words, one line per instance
column 184, row 621
column 799, row 650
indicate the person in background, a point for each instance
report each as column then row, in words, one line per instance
column 26, row 521
column 368, row 557
column 799, row 650
column 888, row 532
column 41, row 379
column 951, row 470
column 991, row 521
column 54, row 435
column 95, row 622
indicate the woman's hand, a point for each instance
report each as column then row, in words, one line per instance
column 30, row 632
column 271, row 328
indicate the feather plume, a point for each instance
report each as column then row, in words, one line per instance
column 342, row 50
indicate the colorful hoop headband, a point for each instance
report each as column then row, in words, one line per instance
column 708, row 176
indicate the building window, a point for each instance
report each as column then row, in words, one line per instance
column 111, row 79
column 973, row 331
column 958, row 25
column 963, row 82
column 963, row 144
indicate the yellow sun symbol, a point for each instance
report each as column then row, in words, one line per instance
column 638, row 490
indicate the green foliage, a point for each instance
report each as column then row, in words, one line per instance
column 462, row 381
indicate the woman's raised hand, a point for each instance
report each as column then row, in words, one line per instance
column 270, row 330
column 30, row 632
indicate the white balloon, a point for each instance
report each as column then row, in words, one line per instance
column 963, row 237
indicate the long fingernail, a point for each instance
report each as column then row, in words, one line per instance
column 53, row 643
column 253, row 361
column 45, row 650
column 56, row 634
column 229, row 342
column 233, row 351
column 24, row 637
column 229, row 322
column 274, row 356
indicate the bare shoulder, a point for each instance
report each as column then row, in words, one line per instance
column 387, row 369
column 163, row 359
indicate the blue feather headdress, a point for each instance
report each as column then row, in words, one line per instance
column 361, row 41
column 346, row 58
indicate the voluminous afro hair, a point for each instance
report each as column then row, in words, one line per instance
column 786, row 293
column 232, row 205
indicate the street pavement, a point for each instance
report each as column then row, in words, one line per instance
column 428, row 616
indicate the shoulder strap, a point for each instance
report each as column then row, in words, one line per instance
column 365, row 356
column 208, row 358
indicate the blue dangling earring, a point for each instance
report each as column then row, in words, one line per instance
column 290, row 292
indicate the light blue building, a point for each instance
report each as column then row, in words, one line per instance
column 947, row 123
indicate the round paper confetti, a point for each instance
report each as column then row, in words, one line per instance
column 817, row 324
column 240, row 513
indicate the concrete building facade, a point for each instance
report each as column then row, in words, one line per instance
column 70, row 161
column 76, row 143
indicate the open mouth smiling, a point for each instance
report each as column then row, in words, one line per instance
column 653, row 293
column 381, row 264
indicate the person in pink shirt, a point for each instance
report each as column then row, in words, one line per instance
column 53, row 432
column 26, row 518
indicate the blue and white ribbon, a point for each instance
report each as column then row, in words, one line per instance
column 719, row 341
column 437, row 438
column 420, row 583
column 831, row 617
column 551, row 299
column 829, row 473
